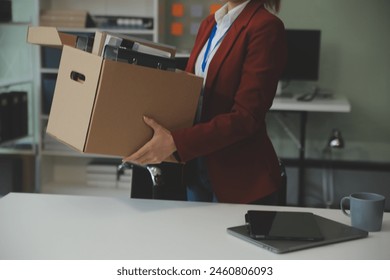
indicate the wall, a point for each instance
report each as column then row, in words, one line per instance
column 355, row 62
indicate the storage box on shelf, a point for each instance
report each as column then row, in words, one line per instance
column 66, row 18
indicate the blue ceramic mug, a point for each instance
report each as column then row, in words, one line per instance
column 366, row 210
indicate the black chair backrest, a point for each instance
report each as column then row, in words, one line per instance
column 171, row 187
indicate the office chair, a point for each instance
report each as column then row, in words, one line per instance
column 159, row 181
column 165, row 181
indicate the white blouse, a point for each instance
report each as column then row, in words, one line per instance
column 224, row 19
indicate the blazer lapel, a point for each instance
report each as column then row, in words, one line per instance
column 231, row 36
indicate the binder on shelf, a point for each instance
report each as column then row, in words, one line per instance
column 13, row 115
column 19, row 114
column 5, row 117
column 5, row 11
column 122, row 54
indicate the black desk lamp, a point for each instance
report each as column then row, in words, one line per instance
column 335, row 141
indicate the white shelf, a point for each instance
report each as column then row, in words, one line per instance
column 13, row 151
column 75, row 154
column 10, row 147
column 83, row 189
column 117, row 30
column 12, row 23
column 337, row 104
column 14, row 82
column 49, row 70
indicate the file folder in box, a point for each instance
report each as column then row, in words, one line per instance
column 134, row 57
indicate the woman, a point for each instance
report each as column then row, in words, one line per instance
column 240, row 51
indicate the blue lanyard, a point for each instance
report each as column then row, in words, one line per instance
column 206, row 54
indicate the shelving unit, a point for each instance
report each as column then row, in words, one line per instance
column 63, row 170
column 17, row 73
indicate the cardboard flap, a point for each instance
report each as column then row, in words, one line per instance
column 74, row 96
column 49, row 36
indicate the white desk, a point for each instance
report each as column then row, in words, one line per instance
column 38, row 226
column 336, row 104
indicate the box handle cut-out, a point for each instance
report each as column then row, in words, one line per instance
column 78, row 77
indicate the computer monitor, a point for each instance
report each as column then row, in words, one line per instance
column 303, row 47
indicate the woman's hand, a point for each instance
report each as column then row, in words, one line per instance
column 159, row 148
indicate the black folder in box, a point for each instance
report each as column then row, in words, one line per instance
column 122, row 54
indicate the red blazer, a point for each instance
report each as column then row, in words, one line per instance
column 239, row 90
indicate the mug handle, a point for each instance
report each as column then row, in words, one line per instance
column 342, row 206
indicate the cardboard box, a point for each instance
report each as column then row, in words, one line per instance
column 98, row 104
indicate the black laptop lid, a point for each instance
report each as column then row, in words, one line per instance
column 283, row 225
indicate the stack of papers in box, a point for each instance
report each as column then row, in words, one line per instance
column 122, row 48
column 102, row 174
column 124, row 180
column 103, row 39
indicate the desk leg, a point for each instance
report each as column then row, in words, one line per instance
column 301, row 166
